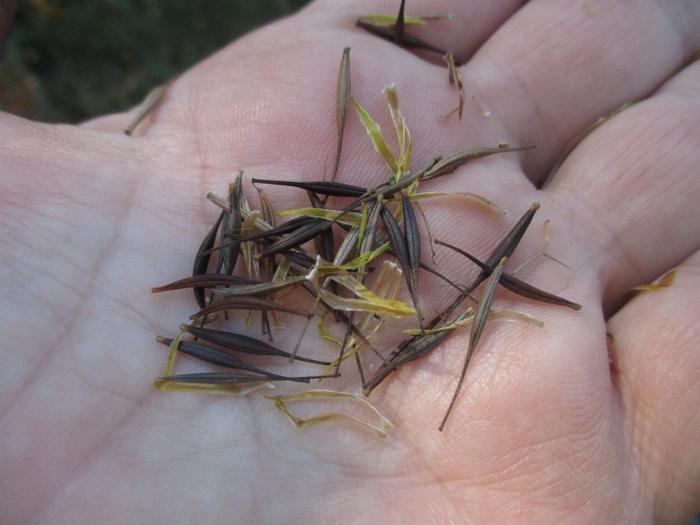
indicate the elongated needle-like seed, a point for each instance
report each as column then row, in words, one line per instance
column 412, row 234
column 341, row 106
column 207, row 280
column 399, row 26
column 201, row 260
column 242, row 343
column 514, row 284
column 480, row 317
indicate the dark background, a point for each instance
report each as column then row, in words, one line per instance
column 67, row 61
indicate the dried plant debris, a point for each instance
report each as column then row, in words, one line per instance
column 350, row 263
column 664, row 282
column 381, row 427
column 478, row 325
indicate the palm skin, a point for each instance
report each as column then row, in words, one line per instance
column 545, row 429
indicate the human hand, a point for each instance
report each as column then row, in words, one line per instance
column 544, row 431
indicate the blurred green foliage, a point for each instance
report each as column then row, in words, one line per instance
column 66, row 61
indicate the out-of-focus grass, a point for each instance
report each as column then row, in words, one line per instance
column 66, row 61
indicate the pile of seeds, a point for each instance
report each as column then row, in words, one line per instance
column 353, row 260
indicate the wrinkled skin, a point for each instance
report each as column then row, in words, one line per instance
column 553, row 425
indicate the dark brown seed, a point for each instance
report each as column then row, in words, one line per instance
column 265, row 326
column 300, row 258
column 420, row 346
column 477, row 329
column 218, row 357
column 222, row 244
column 408, row 41
column 399, row 29
column 207, row 280
column 504, row 249
column 299, row 237
column 233, row 225
column 201, row 260
column 514, row 284
column 215, row 378
column 332, row 189
column 242, row 343
column 306, row 233
column 399, row 247
column 510, row 242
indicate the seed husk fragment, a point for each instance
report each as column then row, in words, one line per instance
column 664, row 282
column 400, row 248
column 149, row 104
column 408, row 41
column 219, row 357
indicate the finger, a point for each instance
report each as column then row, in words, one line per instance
column 470, row 23
column 656, row 338
column 633, row 184
column 554, row 67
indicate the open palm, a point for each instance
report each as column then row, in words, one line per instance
column 554, row 424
